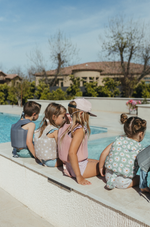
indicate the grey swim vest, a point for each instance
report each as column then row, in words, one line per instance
column 18, row 134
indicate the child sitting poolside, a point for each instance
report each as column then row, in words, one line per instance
column 22, row 131
column 72, row 143
column 45, row 138
column 143, row 159
column 119, row 158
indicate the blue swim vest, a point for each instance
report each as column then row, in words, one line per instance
column 18, row 134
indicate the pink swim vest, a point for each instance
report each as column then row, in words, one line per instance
column 64, row 145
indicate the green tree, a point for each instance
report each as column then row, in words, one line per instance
column 24, row 90
column 103, row 91
column 142, row 90
column 3, row 93
column 59, row 94
column 12, row 96
column 42, row 90
column 91, row 89
column 74, row 89
column 28, row 89
column 109, row 89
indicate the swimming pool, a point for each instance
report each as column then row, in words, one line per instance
column 95, row 147
column 6, row 120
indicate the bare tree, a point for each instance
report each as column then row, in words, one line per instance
column 144, row 56
column 125, row 41
column 30, row 72
column 38, row 64
column 62, row 52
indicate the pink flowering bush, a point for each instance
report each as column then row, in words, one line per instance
column 132, row 104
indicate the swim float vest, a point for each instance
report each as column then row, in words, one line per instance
column 64, row 145
column 19, row 135
column 45, row 147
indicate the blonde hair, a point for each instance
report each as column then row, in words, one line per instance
column 52, row 109
column 77, row 119
column 132, row 125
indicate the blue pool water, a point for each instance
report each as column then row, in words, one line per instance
column 95, row 147
column 6, row 120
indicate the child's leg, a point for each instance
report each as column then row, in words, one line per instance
column 14, row 153
column 135, row 181
column 52, row 162
column 58, row 162
column 24, row 153
column 92, row 168
column 143, row 181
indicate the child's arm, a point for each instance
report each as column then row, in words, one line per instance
column 102, row 159
column 53, row 135
column 29, row 141
column 78, row 136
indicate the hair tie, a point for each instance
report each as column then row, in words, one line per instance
column 23, row 114
column 46, row 119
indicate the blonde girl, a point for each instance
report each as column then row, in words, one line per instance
column 45, row 138
column 72, row 143
column 119, row 158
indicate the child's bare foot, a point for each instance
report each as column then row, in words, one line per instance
column 145, row 190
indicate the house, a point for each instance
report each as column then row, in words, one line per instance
column 91, row 71
column 9, row 79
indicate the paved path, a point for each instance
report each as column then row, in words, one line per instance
column 15, row 214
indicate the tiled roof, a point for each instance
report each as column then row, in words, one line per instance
column 1, row 72
column 104, row 68
column 12, row 76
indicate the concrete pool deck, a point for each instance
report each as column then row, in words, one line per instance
column 15, row 214
column 126, row 206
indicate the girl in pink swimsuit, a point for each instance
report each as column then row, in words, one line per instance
column 72, row 143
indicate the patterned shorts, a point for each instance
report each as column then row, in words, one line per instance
column 119, row 181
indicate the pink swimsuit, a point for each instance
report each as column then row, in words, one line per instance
column 63, row 150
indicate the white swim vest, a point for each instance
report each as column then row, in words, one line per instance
column 45, row 147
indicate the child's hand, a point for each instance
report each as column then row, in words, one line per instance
column 102, row 171
column 82, row 181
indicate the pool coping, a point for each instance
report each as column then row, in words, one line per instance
column 97, row 192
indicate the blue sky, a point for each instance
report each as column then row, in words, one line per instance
column 25, row 24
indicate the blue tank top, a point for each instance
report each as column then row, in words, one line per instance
column 18, row 134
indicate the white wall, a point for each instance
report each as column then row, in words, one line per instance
column 98, row 104
column 58, row 206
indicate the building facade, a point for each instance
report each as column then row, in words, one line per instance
column 9, row 79
column 91, row 72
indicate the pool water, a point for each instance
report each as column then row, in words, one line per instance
column 95, row 147
column 6, row 120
